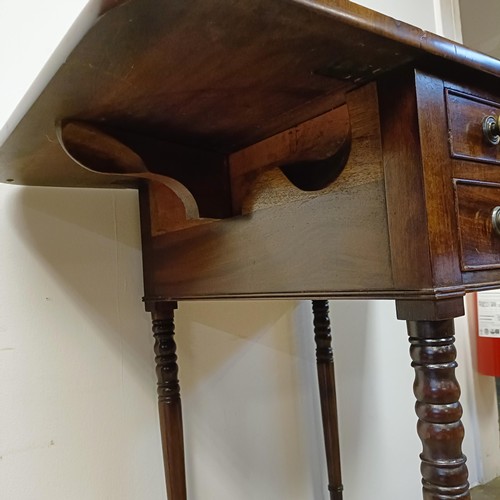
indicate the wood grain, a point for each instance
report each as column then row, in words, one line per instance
column 274, row 249
column 479, row 244
column 316, row 139
column 465, row 119
column 328, row 396
column 185, row 89
column 419, row 182
column 198, row 178
column 437, row 171
column 169, row 399
column 444, row 470
column 404, row 181
column 214, row 75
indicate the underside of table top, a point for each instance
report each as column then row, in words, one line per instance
column 212, row 75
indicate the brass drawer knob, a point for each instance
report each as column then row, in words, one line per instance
column 495, row 220
column 491, row 129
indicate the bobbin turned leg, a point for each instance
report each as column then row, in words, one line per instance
column 433, row 354
column 169, row 400
column 326, row 379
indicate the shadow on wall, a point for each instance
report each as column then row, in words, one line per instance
column 247, row 369
column 250, row 395
column 89, row 244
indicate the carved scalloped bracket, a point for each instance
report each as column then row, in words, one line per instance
column 305, row 158
column 189, row 186
column 178, row 176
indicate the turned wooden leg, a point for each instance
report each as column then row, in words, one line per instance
column 169, row 400
column 326, row 379
column 433, row 353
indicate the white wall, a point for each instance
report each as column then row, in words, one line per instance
column 78, row 415
column 480, row 20
column 420, row 13
column 77, row 387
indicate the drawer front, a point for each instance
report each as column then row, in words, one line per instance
column 479, row 242
column 465, row 123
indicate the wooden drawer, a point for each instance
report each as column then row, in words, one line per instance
column 479, row 243
column 465, row 127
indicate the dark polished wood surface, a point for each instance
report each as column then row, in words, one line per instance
column 158, row 68
column 444, row 473
column 328, row 396
column 169, row 399
column 293, row 148
column 479, row 243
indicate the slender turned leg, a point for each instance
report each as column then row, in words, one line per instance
column 169, row 399
column 326, row 378
column 439, row 427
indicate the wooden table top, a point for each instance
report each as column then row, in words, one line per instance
column 213, row 75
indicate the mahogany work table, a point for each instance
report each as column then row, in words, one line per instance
column 287, row 148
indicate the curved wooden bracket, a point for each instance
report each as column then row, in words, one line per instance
column 310, row 156
column 190, row 186
column 102, row 153
column 314, row 175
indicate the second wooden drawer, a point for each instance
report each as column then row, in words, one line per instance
column 479, row 241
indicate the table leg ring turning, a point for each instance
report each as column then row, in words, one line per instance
column 433, row 353
column 169, row 400
column 328, row 398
